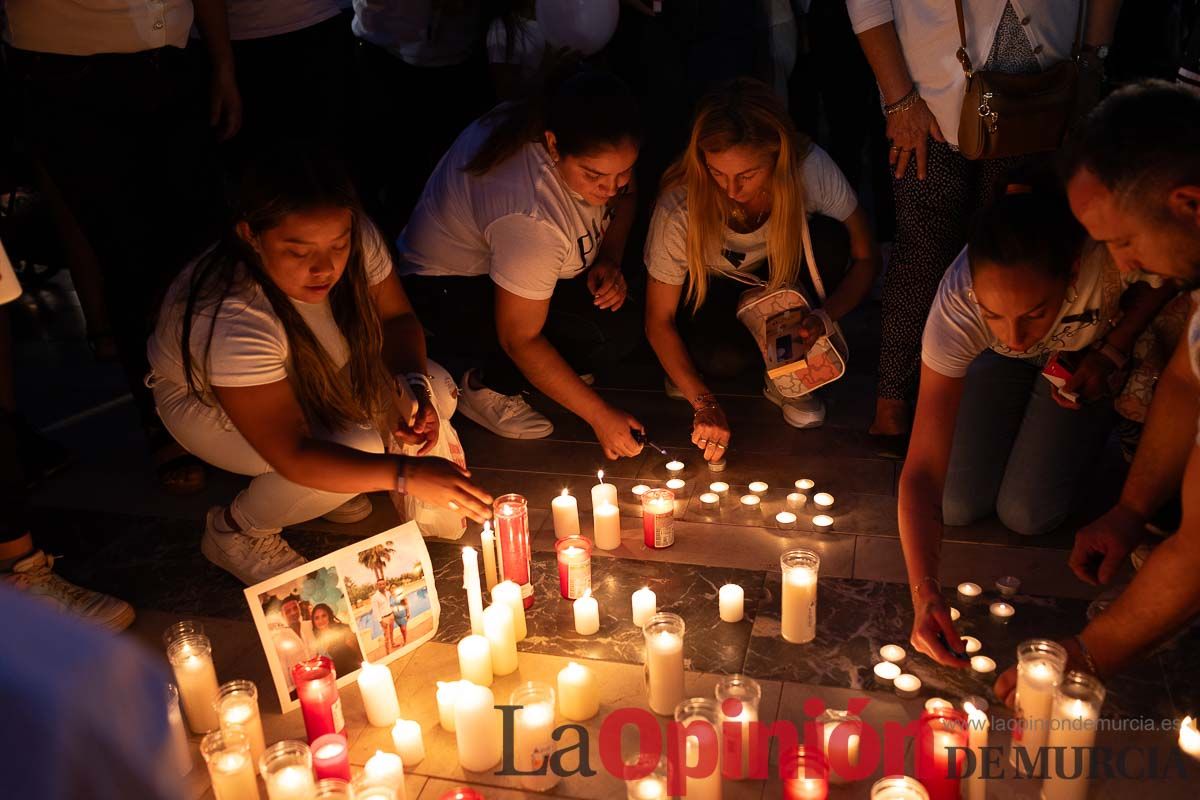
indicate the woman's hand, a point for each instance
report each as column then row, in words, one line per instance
column 1090, row 380
column 933, row 631
column 811, row 328
column 613, row 430
column 607, row 284
column 1101, row 546
column 909, row 131
column 444, row 484
column 710, row 432
column 425, row 426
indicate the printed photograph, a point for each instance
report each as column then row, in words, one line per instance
column 389, row 597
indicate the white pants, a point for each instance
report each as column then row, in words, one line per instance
column 271, row 502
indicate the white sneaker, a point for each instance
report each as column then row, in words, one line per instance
column 250, row 559
column 355, row 509
column 504, row 415
column 799, row 412
column 32, row 574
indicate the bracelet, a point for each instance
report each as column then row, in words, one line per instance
column 916, row 587
column 705, row 401
column 1087, row 655
column 401, row 480
column 904, row 103
column 1110, row 352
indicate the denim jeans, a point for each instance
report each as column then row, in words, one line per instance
column 1016, row 452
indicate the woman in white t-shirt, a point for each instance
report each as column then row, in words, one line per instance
column 274, row 356
column 729, row 217
column 991, row 433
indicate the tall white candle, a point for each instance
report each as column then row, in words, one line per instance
column 447, row 696
column 509, row 593
column 378, row 694
column 587, row 614
column 237, row 706
column 1189, row 737
column 664, row 662
column 731, row 599
column 533, row 734
column 977, row 739
column 477, row 728
column 233, row 776
column 1076, row 713
column 645, row 604
column 474, row 593
column 385, row 769
column 487, row 541
column 703, row 787
column 408, row 741
column 566, row 515
column 475, row 659
column 603, row 493
column 191, row 659
column 799, row 602
column 291, row 783
column 578, row 692
column 1036, row 681
column 606, row 520
column 498, row 628
column 847, row 725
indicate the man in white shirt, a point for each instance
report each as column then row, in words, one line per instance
column 381, row 610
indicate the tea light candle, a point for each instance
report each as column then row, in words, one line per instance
column 378, row 694
column 823, row 500
column 710, row 500
column 907, row 685
column 971, row 644
column 719, row 487
column 565, row 509
column 938, row 704
column 1008, row 586
column 387, row 769
column 578, row 692
column 796, row 500
column 955, row 614
column 786, row 520
column 487, row 543
column 645, row 605
column 886, row 671
column 1189, row 737
column 758, row 487
column 331, row 757
column 501, row 639
column 408, row 741
column 805, row 484
column 475, row 659
column 731, row 600
column 509, row 593
column 751, row 502
column 477, row 729
column 606, row 519
column 822, row 522
column 675, row 467
column 893, row 652
column 447, row 694
column 967, row 592
column 675, row 484
column 983, row 665
column 587, row 614
column 640, row 490
column 1001, row 612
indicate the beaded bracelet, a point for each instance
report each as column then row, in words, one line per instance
column 904, row 103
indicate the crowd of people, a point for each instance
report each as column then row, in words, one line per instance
column 388, row 202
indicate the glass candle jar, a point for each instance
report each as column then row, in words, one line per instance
column 743, row 752
column 1040, row 664
column 898, row 787
column 185, row 627
column 939, row 768
column 663, row 634
column 196, row 679
column 1076, row 712
column 179, row 740
column 230, row 767
column 333, row 789
column 331, row 757
column 574, row 566
column 533, row 737
column 798, row 620
column 841, row 733
column 286, row 769
column 316, row 689
column 237, row 706
column 805, row 774
column 705, row 714
column 645, row 778
column 510, row 514
column 658, row 518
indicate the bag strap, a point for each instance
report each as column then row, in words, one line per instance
column 964, row 58
column 813, row 272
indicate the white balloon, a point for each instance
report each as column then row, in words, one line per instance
column 582, row 25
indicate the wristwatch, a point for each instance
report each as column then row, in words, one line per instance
column 1092, row 55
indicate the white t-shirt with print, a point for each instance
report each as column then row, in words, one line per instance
column 826, row 191
column 249, row 344
column 380, row 607
column 519, row 223
column 956, row 332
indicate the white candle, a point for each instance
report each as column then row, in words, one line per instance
column 408, row 741
column 719, row 488
column 237, row 706
column 731, row 600
column 488, row 544
column 1075, row 730
column 744, row 767
column 640, row 489
column 533, row 735
column 798, row 623
column 645, row 604
column 1008, row 586
column 785, row 520
column 498, row 628
column 1036, row 682
column 475, row 659
column 982, row 664
column 822, row 522
column 652, row 787
column 291, row 783
column 710, row 500
column 796, row 500
column 1189, row 737
column 977, row 739
column 477, row 728
column 971, row 645
column 893, row 652
column 566, row 515
column 664, row 662
column 607, row 521
column 232, row 776
column 805, row 484
column 938, row 704
column 587, row 614
column 675, row 484
column 967, row 592
column 602, row 492
column 886, row 671
column 823, row 500
column 830, row 722
column 907, row 685
column 704, row 787
column 182, row 751
column 1001, row 612
column 386, row 769
column 474, row 592
column 378, row 694
column 751, row 502
column 578, row 692
column 191, row 660
column 758, row 487
column 509, row 593
column 675, row 467
column 447, row 696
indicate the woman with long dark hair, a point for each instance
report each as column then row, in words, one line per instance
column 276, row 355
column 335, row 639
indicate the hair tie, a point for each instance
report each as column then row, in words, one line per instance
column 1018, row 188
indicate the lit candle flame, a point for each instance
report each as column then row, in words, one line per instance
column 587, row 592
column 487, row 526
column 600, row 475
column 565, row 492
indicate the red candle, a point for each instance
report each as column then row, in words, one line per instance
column 331, row 757
column 658, row 518
column 805, row 774
column 316, row 688
column 574, row 566
column 937, row 771
column 511, row 515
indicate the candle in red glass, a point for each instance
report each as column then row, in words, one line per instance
column 805, row 774
column 511, row 515
column 316, row 689
column 331, row 757
column 658, row 518
column 574, row 566
column 938, row 768
column 461, row 793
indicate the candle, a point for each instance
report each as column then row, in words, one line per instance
column 886, row 671
column 938, row 765
column 603, row 492
column 898, row 787
column 331, row 757
column 719, row 488
column 606, row 520
column 785, row 520
column 841, row 734
column 664, row 662
column 751, row 502
column 509, row 593
column 758, row 487
column 386, row 769
column 737, row 698
column 1076, row 711
column 587, row 614
column 566, row 515
column 675, row 484
column 378, row 694
column 533, row 734
column 475, row 659
column 698, row 785
column 938, row 704
column 179, row 741
column 237, row 706
column 176, row 630
column 1008, row 586
column 230, row 767
column 907, row 685
column 675, row 467
column 407, row 739
column 316, row 688
column 658, row 518
column 447, row 695
column 805, row 774
column 1189, row 737
column 971, row 644
column 287, row 771
column 798, row 623
column 652, row 781
column 498, row 628
column 731, row 600
column 893, row 652
column 470, row 559
column 805, row 484
column 364, row 790
column 823, row 500
column 191, row 660
column 710, row 501
column 796, row 500
column 574, row 555
column 334, row 789
column 982, row 664
column 977, row 739
column 645, row 604
column 1040, row 665
column 716, row 465
column 578, row 692
column 967, row 592
column 511, row 513
column 477, row 728
column 1001, row 612
column 488, row 544
column 954, row 614
column 639, row 490
column 822, row 522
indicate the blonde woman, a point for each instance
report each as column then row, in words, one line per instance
column 729, row 217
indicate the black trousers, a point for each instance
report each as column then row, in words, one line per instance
column 459, row 314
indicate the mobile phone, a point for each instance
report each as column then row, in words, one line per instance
column 1060, row 368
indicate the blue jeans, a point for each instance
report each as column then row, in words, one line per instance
column 1016, row 452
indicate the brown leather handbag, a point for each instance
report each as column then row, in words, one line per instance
column 1007, row 114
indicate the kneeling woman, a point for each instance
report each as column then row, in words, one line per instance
column 274, row 357
column 992, row 434
column 735, row 201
